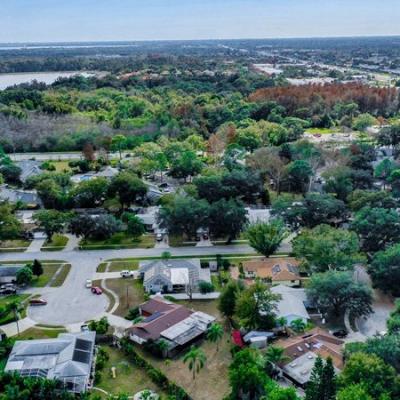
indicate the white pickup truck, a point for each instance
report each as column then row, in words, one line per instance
column 127, row 274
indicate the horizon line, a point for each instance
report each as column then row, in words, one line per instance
column 202, row 40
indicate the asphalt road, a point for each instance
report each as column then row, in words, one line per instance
column 72, row 302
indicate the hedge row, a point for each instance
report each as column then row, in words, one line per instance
column 157, row 376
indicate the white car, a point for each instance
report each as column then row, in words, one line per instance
column 127, row 274
column 88, row 283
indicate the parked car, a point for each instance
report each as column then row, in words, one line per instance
column 88, row 283
column 341, row 333
column 6, row 290
column 37, row 302
column 159, row 237
column 96, row 290
column 127, row 274
column 84, row 328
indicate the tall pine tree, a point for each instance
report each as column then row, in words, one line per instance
column 37, row 268
column 313, row 389
column 329, row 380
column 322, row 383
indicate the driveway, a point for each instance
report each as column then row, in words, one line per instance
column 35, row 245
column 382, row 306
column 72, row 303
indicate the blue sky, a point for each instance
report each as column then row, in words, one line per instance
column 91, row 20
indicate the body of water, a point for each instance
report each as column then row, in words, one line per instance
column 46, row 77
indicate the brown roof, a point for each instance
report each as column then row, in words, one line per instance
column 165, row 316
column 156, row 304
column 318, row 341
column 276, row 269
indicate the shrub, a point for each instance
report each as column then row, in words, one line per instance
column 206, row 287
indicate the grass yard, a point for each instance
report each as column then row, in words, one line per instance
column 61, row 276
column 40, row 333
column 116, row 266
column 177, row 241
column 119, row 241
column 212, row 380
column 322, row 131
column 49, row 270
column 57, row 242
column 62, row 166
column 207, row 306
column 4, row 301
column 14, row 245
column 135, row 296
column 129, row 379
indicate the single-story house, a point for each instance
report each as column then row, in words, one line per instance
column 148, row 216
column 173, row 323
column 303, row 350
column 291, row 306
column 172, row 276
column 108, row 173
column 8, row 273
column 29, row 168
column 255, row 215
column 282, row 270
column 69, row 359
column 28, row 197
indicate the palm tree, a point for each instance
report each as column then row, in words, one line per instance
column 215, row 333
column 196, row 359
column 273, row 357
column 298, row 325
column 15, row 307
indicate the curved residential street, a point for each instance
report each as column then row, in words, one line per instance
column 382, row 306
column 73, row 303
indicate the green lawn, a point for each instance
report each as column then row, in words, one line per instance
column 116, row 266
column 61, row 166
column 121, row 287
column 48, row 272
column 61, row 276
column 129, row 378
column 57, row 242
column 118, row 241
column 40, row 333
column 14, row 244
column 5, row 319
column 322, row 131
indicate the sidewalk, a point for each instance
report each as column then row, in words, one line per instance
column 35, row 245
column 23, row 324
column 73, row 242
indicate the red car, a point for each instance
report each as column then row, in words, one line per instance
column 96, row 290
column 37, row 302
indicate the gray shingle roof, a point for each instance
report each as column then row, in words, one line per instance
column 56, row 358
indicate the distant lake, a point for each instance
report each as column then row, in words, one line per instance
column 46, row 77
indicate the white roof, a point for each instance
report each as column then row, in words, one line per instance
column 292, row 302
column 258, row 215
column 190, row 327
column 179, row 276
